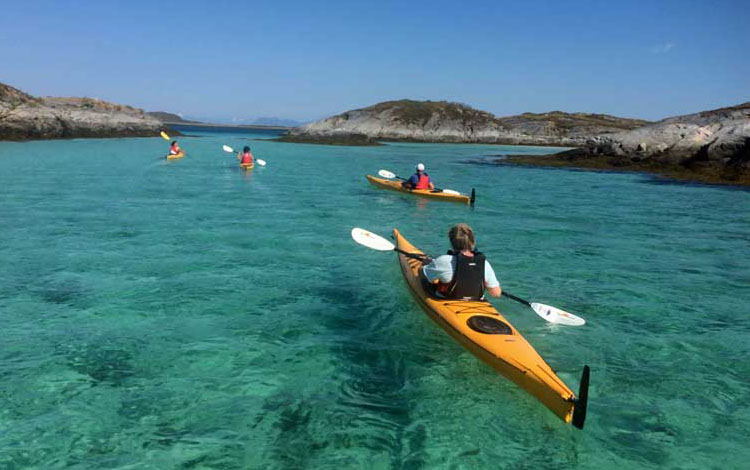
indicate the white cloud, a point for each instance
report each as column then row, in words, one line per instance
column 662, row 48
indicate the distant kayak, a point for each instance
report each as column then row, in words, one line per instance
column 435, row 194
column 175, row 156
column 481, row 329
column 247, row 166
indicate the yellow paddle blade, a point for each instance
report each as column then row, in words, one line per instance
column 164, row 135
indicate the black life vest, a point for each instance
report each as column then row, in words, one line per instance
column 468, row 277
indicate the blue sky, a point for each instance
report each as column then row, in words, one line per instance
column 305, row 60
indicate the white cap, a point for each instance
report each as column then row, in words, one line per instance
column 420, row 167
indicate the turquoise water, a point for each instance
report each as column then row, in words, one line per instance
column 185, row 314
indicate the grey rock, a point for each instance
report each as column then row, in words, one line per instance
column 25, row 117
column 440, row 121
column 718, row 137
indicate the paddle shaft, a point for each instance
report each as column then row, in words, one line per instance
column 517, row 299
column 410, row 255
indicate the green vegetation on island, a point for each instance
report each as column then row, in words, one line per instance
column 443, row 121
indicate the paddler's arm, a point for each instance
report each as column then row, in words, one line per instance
column 439, row 269
column 490, row 281
column 495, row 291
column 411, row 183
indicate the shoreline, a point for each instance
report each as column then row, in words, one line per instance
column 360, row 140
column 706, row 174
column 104, row 135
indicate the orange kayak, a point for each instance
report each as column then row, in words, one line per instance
column 396, row 186
column 175, row 156
column 480, row 328
column 247, row 166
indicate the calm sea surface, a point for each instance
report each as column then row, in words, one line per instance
column 185, row 314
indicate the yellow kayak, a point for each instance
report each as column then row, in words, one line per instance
column 396, row 186
column 175, row 156
column 247, row 166
column 481, row 329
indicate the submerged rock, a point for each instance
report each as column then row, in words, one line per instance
column 359, row 140
column 23, row 117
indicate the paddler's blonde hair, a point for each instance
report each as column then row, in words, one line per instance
column 462, row 237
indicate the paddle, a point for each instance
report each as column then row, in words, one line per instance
column 376, row 242
column 549, row 313
column 229, row 149
column 390, row 175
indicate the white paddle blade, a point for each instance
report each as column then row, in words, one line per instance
column 164, row 135
column 227, row 149
column 370, row 240
column 555, row 315
column 450, row 191
column 260, row 162
column 386, row 174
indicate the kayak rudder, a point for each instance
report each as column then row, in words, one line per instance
column 579, row 412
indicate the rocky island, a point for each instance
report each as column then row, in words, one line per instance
column 170, row 118
column 441, row 121
column 24, row 117
column 710, row 146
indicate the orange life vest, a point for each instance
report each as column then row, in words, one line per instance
column 424, row 181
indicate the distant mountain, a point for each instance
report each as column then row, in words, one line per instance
column 170, row 118
column 275, row 121
column 23, row 116
column 442, row 121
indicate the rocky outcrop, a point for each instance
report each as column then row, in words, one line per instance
column 349, row 140
column 25, row 117
column 720, row 136
column 712, row 146
column 575, row 127
column 441, row 121
column 170, row 118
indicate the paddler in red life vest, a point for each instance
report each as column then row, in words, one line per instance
column 419, row 180
column 246, row 158
column 463, row 273
column 174, row 149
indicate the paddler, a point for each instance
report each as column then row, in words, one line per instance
column 463, row 273
column 419, row 180
column 246, row 157
column 174, row 149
